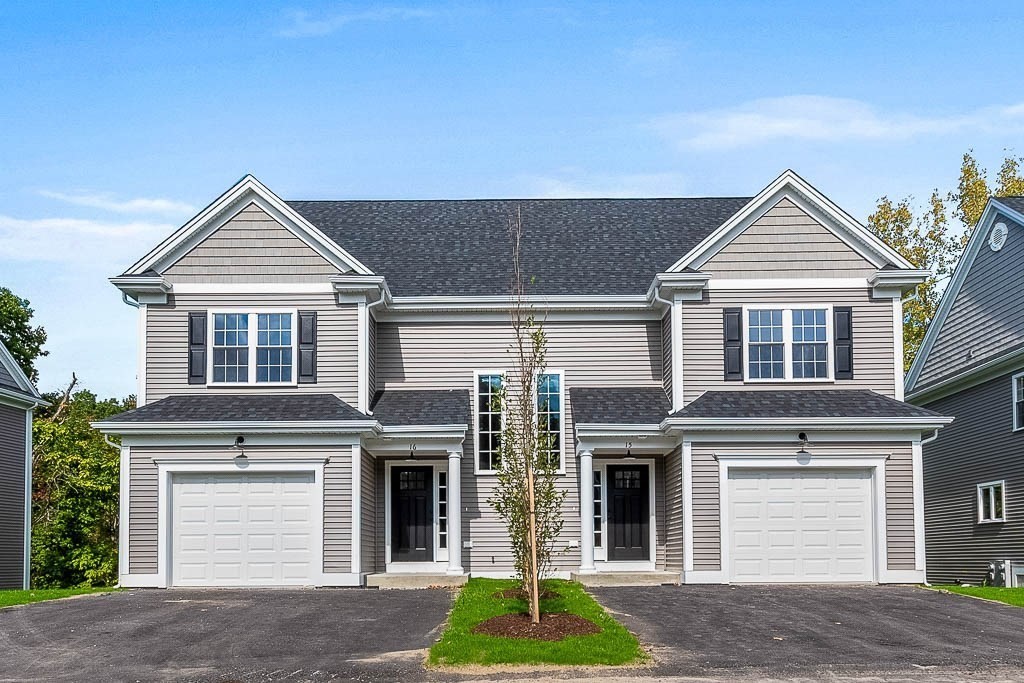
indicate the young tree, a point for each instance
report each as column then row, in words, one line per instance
column 928, row 241
column 16, row 332
column 74, row 492
column 526, row 496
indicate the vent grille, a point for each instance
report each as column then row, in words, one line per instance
column 997, row 237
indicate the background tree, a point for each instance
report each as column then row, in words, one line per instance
column 929, row 241
column 526, row 496
column 16, row 332
column 75, row 492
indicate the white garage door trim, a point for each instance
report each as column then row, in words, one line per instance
column 168, row 468
column 874, row 463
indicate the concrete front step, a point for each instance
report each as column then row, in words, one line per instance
column 410, row 581
column 627, row 578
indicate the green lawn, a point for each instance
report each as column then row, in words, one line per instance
column 1011, row 596
column 476, row 603
column 9, row 598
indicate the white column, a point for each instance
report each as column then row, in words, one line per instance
column 357, row 509
column 455, row 512
column 586, row 512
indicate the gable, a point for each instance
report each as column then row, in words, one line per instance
column 251, row 247
column 787, row 242
column 985, row 319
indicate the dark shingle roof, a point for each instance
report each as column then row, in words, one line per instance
column 583, row 246
column 802, row 403
column 619, row 405
column 1014, row 203
column 242, row 408
column 443, row 407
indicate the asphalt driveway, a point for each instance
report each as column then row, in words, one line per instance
column 223, row 635
column 730, row 632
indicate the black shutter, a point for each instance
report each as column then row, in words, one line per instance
column 307, row 347
column 733, row 324
column 197, row 347
column 843, row 326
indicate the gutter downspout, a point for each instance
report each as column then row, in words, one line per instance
column 128, row 300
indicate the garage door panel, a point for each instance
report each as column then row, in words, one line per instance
column 243, row 529
column 800, row 526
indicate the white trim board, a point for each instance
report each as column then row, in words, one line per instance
column 8, row 362
column 949, row 295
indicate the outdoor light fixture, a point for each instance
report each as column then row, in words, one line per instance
column 240, row 447
column 803, row 445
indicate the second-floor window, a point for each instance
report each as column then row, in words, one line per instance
column 488, row 427
column 252, row 348
column 787, row 344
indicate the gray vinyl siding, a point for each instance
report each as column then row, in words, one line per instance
column 986, row 318
column 142, row 499
column 666, row 354
column 167, row 343
column 978, row 447
column 873, row 343
column 380, row 498
column 445, row 355
column 368, row 519
column 674, row 511
column 787, row 243
column 371, row 349
column 251, row 247
column 12, row 497
column 899, row 496
column 7, row 380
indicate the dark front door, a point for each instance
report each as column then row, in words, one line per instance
column 412, row 514
column 629, row 513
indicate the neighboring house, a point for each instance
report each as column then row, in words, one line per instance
column 723, row 378
column 971, row 366
column 18, row 398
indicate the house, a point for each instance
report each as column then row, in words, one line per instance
column 971, row 366
column 18, row 398
column 723, row 383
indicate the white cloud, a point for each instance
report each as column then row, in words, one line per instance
column 575, row 183
column 141, row 205
column 109, row 245
column 303, row 24
column 825, row 119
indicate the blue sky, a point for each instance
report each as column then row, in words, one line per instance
column 118, row 120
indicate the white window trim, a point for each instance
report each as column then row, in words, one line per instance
column 253, row 314
column 787, row 343
column 1013, row 383
column 477, row 374
column 440, row 560
column 990, row 485
column 561, row 411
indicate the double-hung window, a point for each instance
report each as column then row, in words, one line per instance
column 488, row 425
column 992, row 502
column 1018, row 401
column 787, row 344
column 252, row 347
column 550, row 416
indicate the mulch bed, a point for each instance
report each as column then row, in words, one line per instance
column 520, row 594
column 552, row 627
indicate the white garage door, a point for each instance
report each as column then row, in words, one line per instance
column 243, row 529
column 800, row 526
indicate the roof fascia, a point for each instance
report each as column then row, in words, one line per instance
column 992, row 209
column 791, row 185
column 226, row 206
column 691, row 424
column 368, row 427
column 974, row 376
column 504, row 302
column 7, row 360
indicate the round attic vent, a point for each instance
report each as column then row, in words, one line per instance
column 997, row 237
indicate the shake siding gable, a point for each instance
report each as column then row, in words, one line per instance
column 167, row 343
column 986, row 318
column 787, row 243
column 12, row 496
column 251, row 247
column 980, row 446
column 873, row 344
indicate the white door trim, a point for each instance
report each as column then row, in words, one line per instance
column 601, row 561
column 874, row 463
column 440, row 563
column 167, row 468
